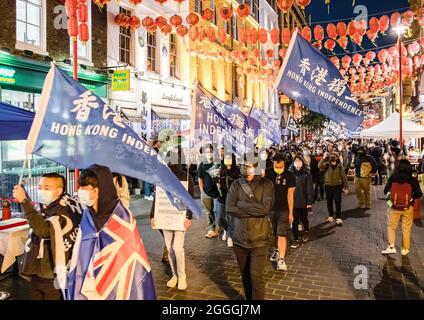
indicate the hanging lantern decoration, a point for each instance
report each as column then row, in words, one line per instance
column 126, row 21
column 351, row 29
column 407, row 18
column 285, row 5
column 366, row 61
column 253, row 36
column 330, row 44
column 242, row 35
column 374, row 25
column 335, row 61
column 263, row 36
column 152, row 28
column 160, row 21
column 118, row 19
column 343, row 42
column 307, row 34
column 192, row 19
column 341, row 29
column 395, row 19
column 167, row 28
column 319, row 33
column 252, row 62
column 243, row 10
column 361, row 27
column 286, row 36
column 275, row 36
column 225, row 13
column 256, row 53
column 135, row 23
column 370, row 55
column 176, row 20
column 357, row 38
column 346, row 61
column 83, row 33
column 222, row 35
column 332, row 31
column 193, row 33
column 210, row 34
column 270, row 53
column 372, row 36
column 201, row 34
column 277, row 63
column 207, row 14
column 245, row 54
column 73, row 27
column 263, row 63
column 317, row 45
column 383, row 24
column 161, row 1
column 135, row 2
column 83, row 13
column 147, row 22
column 282, row 52
column 357, row 58
column 303, row 3
column 71, row 8
column 182, row 30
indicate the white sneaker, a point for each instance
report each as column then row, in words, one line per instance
column 330, row 219
column 299, row 227
column 4, row 295
column 182, row 283
column 389, row 250
column 224, row 236
column 229, row 242
column 404, row 252
column 211, row 234
column 339, row 222
column 281, row 265
column 172, row 283
column 275, row 256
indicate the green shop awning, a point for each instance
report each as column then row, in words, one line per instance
column 22, row 74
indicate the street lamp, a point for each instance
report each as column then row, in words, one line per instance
column 400, row 29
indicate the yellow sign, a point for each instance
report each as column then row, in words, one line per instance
column 121, row 80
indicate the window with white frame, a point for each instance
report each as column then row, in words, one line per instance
column 254, row 5
column 151, row 52
column 84, row 49
column 30, row 23
column 125, row 40
column 173, row 55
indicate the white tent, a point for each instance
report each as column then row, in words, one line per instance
column 389, row 128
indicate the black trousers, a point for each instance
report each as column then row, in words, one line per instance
column 300, row 215
column 334, row 194
column 379, row 177
column 43, row 289
column 252, row 265
column 319, row 187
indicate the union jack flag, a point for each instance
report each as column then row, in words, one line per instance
column 111, row 264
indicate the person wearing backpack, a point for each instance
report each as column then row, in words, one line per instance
column 365, row 167
column 402, row 190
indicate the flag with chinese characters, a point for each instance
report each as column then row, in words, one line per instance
column 223, row 124
column 271, row 127
column 310, row 78
column 111, row 264
column 76, row 128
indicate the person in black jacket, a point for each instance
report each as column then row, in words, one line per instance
column 303, row 199
column 377, row 154
column 402, row 175
column 249, row 204
column 60, row 215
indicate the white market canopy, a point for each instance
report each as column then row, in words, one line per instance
column 389, row 128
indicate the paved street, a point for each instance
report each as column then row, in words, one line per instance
column 320, row 269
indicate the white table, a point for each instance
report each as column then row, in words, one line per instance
column 12, row 244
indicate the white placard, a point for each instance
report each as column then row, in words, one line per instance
column 167, row 217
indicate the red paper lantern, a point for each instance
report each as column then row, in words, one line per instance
column 317, row 45
column 225, row 13
column 152, row 28
column 73, row 26
column 319, row 33
column 270, row 53
column 372, row 36
column 135, row 2
column 395, row 19
column 161, row 1
column 193, row 33
column 207, row 14
column 256, row 53
column 160, row 21
column 346, row 60
column 332, row 31
column 263, row 36
column 282, row 52
column 286, row 36
column 126, row 21
column 307, row 34
column 384, row 24
column 135, row 22
column 192, row 19
column 222, row 34
column 243, row 10
column 330, row 44
column 335, row 61
column 341, row 29
column 167, row 28
column 370, row 55
column 357, row 58
column 244, row 54
column 253, row 36
column 357, row 38
column 303, row 3
column 83, row 13
column 118, row 19
column 176, row 20
column 361, row 27
column 201, row 34
column 182, row 30
column 366, row 61
column 71, row 8
column 277, row 63
column 285, row 5
column 275, row 36
column 83, row 32
column 242, row 35
column 374, row 25
column 351, row 28
column 147, row 22
column 210, row 34
column 407, row 18
column 343, row 42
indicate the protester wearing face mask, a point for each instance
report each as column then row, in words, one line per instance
column 60, row 216
column 207, row 172
column 306, row 155
column 335, row 184
column 265, row 162
column 282, row 217
column 249, row 203
column 318, row 174
column 303, row 199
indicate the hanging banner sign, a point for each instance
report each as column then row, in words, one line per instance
column 121, row 80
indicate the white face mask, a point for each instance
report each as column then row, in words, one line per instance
column 45, row 197
column 84, row 197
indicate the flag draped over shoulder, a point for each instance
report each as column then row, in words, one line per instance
column 111, row 264
column 310, row 78
column 76, row 128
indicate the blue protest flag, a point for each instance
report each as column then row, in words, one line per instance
column 270, row 126
column 310, row 78
column 76, row 128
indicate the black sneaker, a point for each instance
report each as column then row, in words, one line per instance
column 305, row 236
column 295, row 244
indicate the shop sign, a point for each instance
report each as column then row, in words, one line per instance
column 164, row 95
column 121, row 80
column 7, row 75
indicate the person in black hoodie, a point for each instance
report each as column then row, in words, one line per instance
column 54, row 231
column 303, row 199
column 401, row 186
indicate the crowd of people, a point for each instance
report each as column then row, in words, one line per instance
column 252, row 203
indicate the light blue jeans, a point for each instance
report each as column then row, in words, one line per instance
column 174, row 241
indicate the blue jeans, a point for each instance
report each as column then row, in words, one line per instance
column 147, row 190
column 219, row 214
